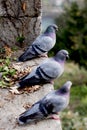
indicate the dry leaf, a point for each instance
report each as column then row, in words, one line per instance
column 8, row 50
column 27, row 106
column 24, row 6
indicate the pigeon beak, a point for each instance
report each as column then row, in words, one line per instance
column 67, row 56
column 69, row 87
column 57, row 29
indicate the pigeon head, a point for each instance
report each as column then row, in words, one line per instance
column 62, row 55
column 51, row 28
column 65, row 88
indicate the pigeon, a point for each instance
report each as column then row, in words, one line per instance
column 46, row 72
column 41, row 45
column 52, row 103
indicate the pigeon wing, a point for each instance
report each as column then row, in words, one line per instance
column 49, row 70
column 43, row 44
column 54, row 103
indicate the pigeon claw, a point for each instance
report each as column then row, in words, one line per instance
column 44, row 55
column 55, row 117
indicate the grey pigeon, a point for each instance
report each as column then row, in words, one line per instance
column 46, row 72
column 41, row 45
column 52, row 103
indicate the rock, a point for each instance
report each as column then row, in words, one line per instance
column 19, row 19
column 20, row 66
column 13, row 105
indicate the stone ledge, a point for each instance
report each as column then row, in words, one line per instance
column 11, row 106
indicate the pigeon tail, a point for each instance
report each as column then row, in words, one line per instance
column 25, row 57
column 30, row 82
column 31, row 115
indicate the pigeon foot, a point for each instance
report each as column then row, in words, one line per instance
column 54, row 116
column 44, row 55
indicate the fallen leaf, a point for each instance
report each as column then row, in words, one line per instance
column 8, row 51
column 24, row 6
column 27, row 105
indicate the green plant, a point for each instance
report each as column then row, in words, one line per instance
column 20, row 39
column 6, row 72
column 72, row 72
column 73, row 34
column 2, row 50
column 73, row 121
column 75, row 116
